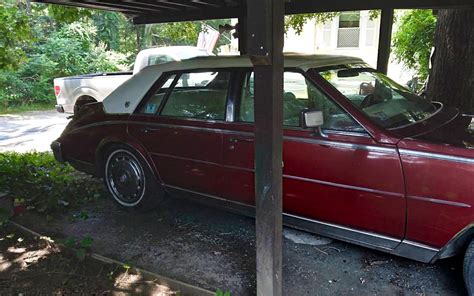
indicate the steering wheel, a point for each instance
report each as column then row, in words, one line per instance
column 368, row 101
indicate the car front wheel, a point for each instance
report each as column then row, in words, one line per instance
column 469, row 268
column 130, row 181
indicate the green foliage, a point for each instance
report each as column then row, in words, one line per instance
column 40, row 42
column 219, row 292
column 413, row 40
column 15, row 34
column 80, row 247
column 4, row 216
column 183, row 33
column 67, row 52
column 297, row 21
column 45, row 185
column 67, row 15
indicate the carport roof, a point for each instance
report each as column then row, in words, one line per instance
column 159, row 11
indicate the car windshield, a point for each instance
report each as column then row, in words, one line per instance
column 386, row 102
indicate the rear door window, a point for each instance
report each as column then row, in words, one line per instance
column 154, row 101
column 199, row 95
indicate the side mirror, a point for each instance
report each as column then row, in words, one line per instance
column 311, row 118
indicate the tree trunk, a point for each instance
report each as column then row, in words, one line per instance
column 452, row 75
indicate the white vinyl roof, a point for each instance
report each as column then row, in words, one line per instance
column 127, row 96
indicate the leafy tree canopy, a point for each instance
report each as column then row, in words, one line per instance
column 15, row 34
column 413, row 40
column 297, row 21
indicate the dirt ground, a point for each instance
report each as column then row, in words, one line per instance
column 212, row 249
column 30, row 265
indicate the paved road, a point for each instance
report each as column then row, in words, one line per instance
column 33, row 130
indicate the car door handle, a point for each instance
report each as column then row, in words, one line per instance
column 149, row 129
column 235, row 140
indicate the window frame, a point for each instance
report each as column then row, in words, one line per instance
column 238, row 99
column 166, row 75
column 343, row 28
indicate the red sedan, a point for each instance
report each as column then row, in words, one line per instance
column 365, row 160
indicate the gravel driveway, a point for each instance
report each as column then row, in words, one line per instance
column 211, row 248
column 33, row 130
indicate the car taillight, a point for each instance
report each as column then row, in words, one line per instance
column 57, row 89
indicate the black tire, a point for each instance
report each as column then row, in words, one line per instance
column 129, row 180
column 83, row 101
column 468, row 269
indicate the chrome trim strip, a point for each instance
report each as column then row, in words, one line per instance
column 342, row 145
column 177, row 126
column 404, row 248
column 248, row 134
column 365, row 233
column 288, row 138
column 185, row 158
column 346, row 133
column 415, row 244
column 416, row 251
column 436, row 156
column 96, row 124
column 344, row 186
column 327, row 183
column 440, row 201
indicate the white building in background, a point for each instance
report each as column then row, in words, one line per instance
column 350, row 33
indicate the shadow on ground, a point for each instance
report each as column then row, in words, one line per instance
column 213, row 249
column 30, row 265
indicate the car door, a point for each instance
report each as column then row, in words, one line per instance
column 176, row 124
column 341, row 178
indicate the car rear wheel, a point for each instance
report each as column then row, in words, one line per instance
column 130, row 181
column 469, row 268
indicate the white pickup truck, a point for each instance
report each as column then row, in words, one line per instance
column 73, row 92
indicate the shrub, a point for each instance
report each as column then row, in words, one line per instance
column 45, row 185
column 70, row 51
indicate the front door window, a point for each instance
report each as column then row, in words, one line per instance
column 299, row 94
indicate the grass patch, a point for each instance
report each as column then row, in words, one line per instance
column 44, row 185
column 25, row 108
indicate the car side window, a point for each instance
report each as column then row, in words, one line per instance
column 200, row 95
column 154, row 101
column 298, row 94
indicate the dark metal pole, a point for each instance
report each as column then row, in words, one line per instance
column 265, row 46
column 385, row 40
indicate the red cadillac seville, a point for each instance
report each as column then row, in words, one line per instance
column 365, row 160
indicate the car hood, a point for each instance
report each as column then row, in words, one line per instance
column 449, row 127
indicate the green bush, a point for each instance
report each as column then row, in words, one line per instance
column 70, row 51
column 413, row 40
column 45, row 185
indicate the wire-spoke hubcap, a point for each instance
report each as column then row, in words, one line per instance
column 125, row 177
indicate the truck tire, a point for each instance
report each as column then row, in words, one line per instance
column 468, row 269
column 81, row 101
column 129, row 179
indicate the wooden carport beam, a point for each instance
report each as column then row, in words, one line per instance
column 385, row 40
column 265, row 47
